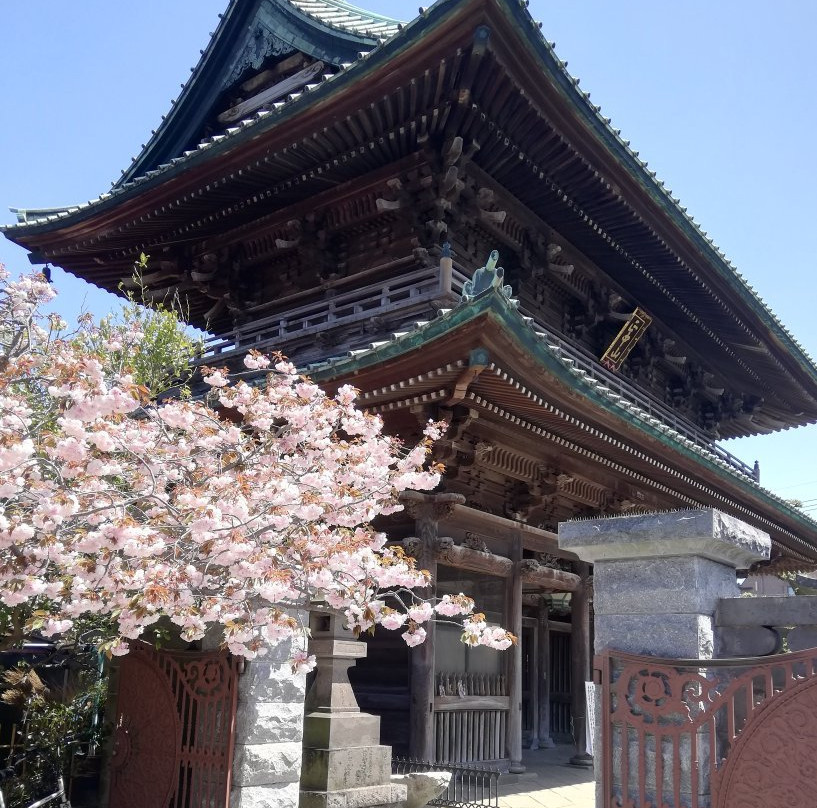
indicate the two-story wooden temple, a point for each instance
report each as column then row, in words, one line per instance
column 328, row 184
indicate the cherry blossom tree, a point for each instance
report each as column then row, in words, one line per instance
column 236, row 509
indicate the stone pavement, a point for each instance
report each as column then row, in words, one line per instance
column 549, row 782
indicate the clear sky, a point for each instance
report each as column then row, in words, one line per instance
column 717, row 96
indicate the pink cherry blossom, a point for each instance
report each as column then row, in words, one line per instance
column 235, row 510
column 414, row 636
column 421, row 612
column 302, row 662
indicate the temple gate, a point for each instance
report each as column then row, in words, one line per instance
column 697, row 731
column 340, row 186
column 174, row 729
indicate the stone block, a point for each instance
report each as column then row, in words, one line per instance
column 266, row 763
column 685, row 636
column 269, row 722
column 677, row 585
column 647, row 752
column 266, row 680
column 341, row 730
column 768, row 611
column 279, row 795
column 338, row 769
column 707, row 533
column 802, row 637
column 744, row 641
column 422, row 787
column 384, row 795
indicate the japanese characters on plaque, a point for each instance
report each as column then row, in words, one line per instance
column 625, row 340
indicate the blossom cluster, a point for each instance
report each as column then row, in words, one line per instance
column 236, row 509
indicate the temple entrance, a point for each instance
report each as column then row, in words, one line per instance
column 471, row 699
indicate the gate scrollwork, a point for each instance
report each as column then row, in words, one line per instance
column 736, row 733
column 173, row 733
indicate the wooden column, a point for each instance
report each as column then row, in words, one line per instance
column 580, row 664
column 427, row 510
column 543, row 688
column 514, row 738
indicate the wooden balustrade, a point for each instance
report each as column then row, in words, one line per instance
column 470, row 717
column 404, row 291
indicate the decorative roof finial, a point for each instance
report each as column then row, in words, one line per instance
column 486, row 278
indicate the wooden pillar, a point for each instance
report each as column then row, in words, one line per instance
column 543, row 682
column 514, row 737
column 427, row 510
column 580, row 664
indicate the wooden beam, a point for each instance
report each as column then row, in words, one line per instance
column 279, row 90
column 548, row 578
column 455, row 555
column 514, row 738
column 533, row 538
column 426, row 510
column 447, row 703
column 581, row 655
column 543, row 683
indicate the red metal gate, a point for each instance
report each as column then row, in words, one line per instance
column 708, row 733
column 173, row 736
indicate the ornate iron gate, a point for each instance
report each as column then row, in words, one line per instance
column 173, row 736
column 738, row 733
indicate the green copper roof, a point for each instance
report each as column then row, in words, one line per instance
column 347, row 17
column 249, row 32
column 493, row 299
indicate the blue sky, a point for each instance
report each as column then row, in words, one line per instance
column 717, row 96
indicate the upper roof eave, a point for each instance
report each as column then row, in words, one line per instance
column 128, row 187
column 654, row 188
column 202, row 87
column 725, row 275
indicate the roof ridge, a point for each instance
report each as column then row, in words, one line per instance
column 342, row 5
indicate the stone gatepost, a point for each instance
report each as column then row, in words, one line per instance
column 344, row 765
column 658, row 578
column 268, row 733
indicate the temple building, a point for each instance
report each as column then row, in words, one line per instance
column 333, row 184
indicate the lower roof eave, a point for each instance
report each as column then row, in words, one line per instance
column 528, row 374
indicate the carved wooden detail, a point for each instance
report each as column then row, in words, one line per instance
column 145, row 761
column 457, row 555
column 536, row 574
column 434, row 507
column 747, row 728
column 774, row 761
column 173, row 733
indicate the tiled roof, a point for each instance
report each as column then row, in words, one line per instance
column 344, row 17
column 408, row 338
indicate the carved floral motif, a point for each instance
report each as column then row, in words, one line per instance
column 774, row 761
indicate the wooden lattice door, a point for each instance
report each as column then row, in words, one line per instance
column 561, row 725
column 173, row 733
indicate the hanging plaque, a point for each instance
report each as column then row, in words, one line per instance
column 626, row 339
